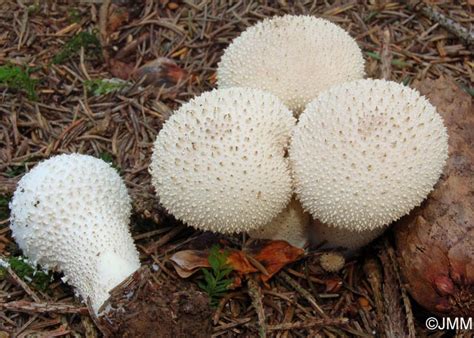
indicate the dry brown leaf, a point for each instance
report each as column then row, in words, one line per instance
column 121, row 69
column 118, row 16
column 274, row 255
column 161, row 72
column 271, row 255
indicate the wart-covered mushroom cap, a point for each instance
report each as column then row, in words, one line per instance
column 219, row 162
column 294, row 57
column 367, row 152
column 71, row 213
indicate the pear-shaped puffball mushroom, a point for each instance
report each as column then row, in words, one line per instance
column 292, row 57
column 345, row 238
column 71, row 212
column 290, row 225
column 367, row 152
column 219, row 162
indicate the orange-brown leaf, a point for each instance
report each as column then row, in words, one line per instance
column 274, row 255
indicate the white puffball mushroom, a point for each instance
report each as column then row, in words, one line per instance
column 294, row 57
column 290, row 225
column 219, row 161
column 348, row 239
column 71, row 213
column 367, row 152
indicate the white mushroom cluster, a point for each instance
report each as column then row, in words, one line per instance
column 71, row 213
column 219, row 162
column 366, row 152
column 294, row 57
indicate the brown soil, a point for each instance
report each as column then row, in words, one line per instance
column 142, row 307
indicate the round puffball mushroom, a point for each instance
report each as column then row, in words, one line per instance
column 367, row 152
column 290, row 225
column 71, row 213
column 293, row 57
column 219, row 162
column 332, row 261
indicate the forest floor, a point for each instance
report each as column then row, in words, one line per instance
column 60, row 103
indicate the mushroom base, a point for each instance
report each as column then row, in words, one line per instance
column 143, row 307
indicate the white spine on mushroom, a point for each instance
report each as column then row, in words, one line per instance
column 71, row 213
column 219, row 162
column 290, row 225
column 293, row 57
column 365, row 153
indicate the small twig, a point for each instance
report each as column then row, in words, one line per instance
column 43, row 307
column 386, row 55
column 406, row 301
column 165, row 239
column 308, row 296
column 257, row 264
column 23, row 285
column 256, row 295
column 218, row 330
column 373, row 272
column 394, row 322
column 222, row 303
column 448, row 23
column 309, row 323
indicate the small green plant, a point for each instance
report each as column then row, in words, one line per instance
column 30, row 274
column 14, row 77
column 104, row 86
column 88, row 40
column 216, row 281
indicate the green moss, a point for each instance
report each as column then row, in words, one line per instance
column 74, row 15
column 30, row 274
column 88, row 40
column 99, row 87
column 17, row 78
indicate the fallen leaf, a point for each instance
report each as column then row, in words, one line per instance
column 121, row 69
column 333, row 285
column 118, row 16
column 187, row 262
column 271, row 255
column 274, row 255
column 162, row 72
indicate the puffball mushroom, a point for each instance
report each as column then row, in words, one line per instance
column 365, row 153
column 336, row 237
column 219, row 161
column 290, row 225
column 71, row 212
column 294, row 57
